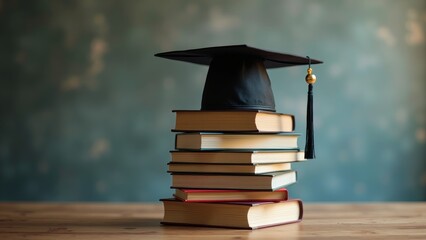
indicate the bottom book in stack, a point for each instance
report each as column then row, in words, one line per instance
column 247, row 215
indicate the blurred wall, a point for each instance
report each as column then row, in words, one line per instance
column 86, row 107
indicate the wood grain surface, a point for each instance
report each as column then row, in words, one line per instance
column 142, row 221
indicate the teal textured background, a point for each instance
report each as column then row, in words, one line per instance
column 86, row 107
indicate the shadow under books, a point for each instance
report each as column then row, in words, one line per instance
column 286, row 230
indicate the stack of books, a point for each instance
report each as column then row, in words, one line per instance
column 230, row 169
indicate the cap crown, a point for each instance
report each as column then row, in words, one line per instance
column 237, row 82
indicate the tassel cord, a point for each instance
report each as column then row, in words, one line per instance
column 309, row 147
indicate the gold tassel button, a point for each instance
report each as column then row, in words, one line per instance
column 310, row 78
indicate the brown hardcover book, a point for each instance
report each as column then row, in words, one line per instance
column 247, row 215
column 214, row 195
column 232, row 121
column 237, row 157
column 221, row 141
column 227, row 168
column 266, row 181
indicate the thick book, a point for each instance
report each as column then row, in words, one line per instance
column 227, row 168
column 245, row 215
column 225, row 141
column 232, row 121
column 237, row 157
column 266, row 181
column 209, row 195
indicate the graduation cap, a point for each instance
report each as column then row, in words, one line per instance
column 237, row 79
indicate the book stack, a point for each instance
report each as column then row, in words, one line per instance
column 230, row 169
column 232, row 159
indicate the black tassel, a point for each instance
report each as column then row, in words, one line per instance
column 309, row 147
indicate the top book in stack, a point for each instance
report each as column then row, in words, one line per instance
column 233, row 121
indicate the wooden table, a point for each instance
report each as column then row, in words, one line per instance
column 142, row 221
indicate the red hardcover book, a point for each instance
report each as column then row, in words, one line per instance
column 206, row 195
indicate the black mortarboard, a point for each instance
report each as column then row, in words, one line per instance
column 237, row 77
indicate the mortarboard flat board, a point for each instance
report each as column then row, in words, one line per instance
column 237, row 77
